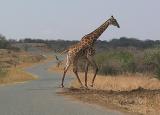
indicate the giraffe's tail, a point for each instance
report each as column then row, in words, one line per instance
column 65, row 51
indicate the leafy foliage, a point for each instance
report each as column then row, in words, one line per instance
column 116, row 56
column 120, row 61
column 115, row 62
column 3, row 42
column 124, row 42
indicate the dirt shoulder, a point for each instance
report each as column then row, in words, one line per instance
column 136, row 94
column 139, row 101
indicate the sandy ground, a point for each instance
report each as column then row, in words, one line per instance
column 137, row 94
column 140, row 101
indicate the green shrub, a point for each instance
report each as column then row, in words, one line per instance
column 152, row 56
column 127, row 61
column 3, row 42
column 109, row 70
column 115, row 62
column 152, row 59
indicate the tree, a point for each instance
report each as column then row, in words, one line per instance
column 3, row 42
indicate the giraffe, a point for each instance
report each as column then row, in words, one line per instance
column 85, row 49
column 59, row 62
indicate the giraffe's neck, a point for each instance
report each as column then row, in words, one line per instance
column 98, row 32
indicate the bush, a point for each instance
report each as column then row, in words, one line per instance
column 3, row 42
column 120, row 61
column 109, row 70
column 152, row 59
column 115, row 62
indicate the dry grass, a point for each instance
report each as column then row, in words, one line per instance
column 134, row 93
column 29, row 64
column 121, row 82
column 22, row 60
column 137, row 94
column 16, row 75
column 115, row 83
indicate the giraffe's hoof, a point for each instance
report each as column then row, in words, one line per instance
column 62, row 86
column 86, row 86
column 91, row 85
column 82, row 87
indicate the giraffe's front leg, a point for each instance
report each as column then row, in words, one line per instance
column 86, row 71
column 75, row 68
column 93, row 63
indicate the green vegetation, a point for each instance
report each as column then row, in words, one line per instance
column 3, row 42
column 121, row 61
column 117, row 56
column 115, row 62
column 152, row 59
column 123, row 42
column 7, row 44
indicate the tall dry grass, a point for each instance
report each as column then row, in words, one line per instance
column 16, row 75
column 120, row 82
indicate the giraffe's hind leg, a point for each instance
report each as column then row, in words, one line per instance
column 75, row 70
column 68, row 63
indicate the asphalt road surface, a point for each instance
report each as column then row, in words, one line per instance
column 38, row 97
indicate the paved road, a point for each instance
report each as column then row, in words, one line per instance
column 39, row 97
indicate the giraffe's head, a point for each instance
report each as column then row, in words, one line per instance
column 113, row 21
